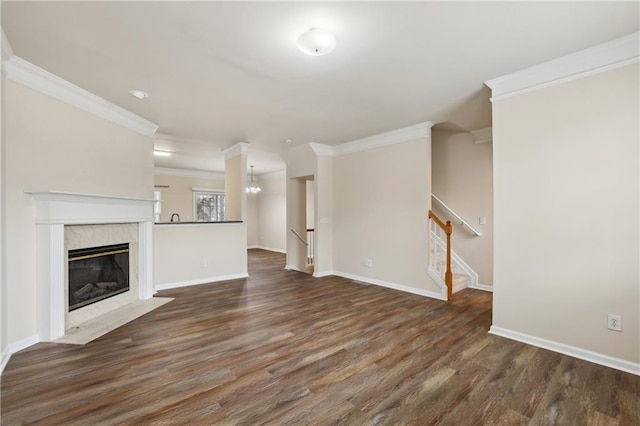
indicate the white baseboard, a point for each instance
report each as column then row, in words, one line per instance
column 5, row 358
column 24, row 343
column 323, row 274
column 12, row 348
column 293, row 268
column 199, row 281
column 406, row 289
column 277, row 250
column 483, row 287
column 595, row 357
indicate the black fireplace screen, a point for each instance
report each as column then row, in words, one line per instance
column 97, row 273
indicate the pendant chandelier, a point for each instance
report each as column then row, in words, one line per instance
column 253, row 187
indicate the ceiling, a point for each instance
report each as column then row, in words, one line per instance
column 218, row 73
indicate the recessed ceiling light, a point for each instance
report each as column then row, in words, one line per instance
column 317, row 42
column 288, row 140
column 140, row 94
column 158, row 153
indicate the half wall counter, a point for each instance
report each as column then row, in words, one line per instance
column 191, row 253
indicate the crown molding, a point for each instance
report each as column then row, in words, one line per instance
column 603, row 57
column 482, row 135
column 202, row 174
column 235, row 150
column 33, row 77
column 322, row 150
column 404, row 134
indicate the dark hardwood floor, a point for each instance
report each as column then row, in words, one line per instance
column 284, row 348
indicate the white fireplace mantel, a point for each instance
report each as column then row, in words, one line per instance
column 54, row 210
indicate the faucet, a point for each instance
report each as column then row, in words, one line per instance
column 175, row 214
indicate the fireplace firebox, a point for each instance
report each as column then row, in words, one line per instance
column 97, row 273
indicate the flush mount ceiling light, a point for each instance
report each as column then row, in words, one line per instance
column 158, row 153
column 140, row 94
column 316, row 42
column 253, row 187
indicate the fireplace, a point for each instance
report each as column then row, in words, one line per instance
column 97, row 273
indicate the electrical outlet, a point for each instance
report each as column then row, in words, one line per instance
column 368, row 263
column 614, row 322
column 203, row 263
column 482, row 220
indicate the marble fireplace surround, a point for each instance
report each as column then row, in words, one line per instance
column 54, row 210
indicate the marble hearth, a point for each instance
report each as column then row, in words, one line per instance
column 70, row 220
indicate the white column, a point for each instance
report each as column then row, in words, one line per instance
column 50, row 261
column 146, row 287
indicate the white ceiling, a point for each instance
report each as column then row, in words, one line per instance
column 219, row 73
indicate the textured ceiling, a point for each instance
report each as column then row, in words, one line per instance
column 219, row 73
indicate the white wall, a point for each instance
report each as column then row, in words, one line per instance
column 53, row 146
column 380, row 204
column 272, row 212
column 178, row 198
column 191, row 254
column 566, row 189
column 463, row 179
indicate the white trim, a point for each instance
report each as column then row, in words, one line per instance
column 394, row 286
column 595, row 357
column 215, row 191
column 4, row 359
column 603, row 57
column 27, row 74
column 323, row 274
column 482, row 135
column 23, row 344
column 71, row 208
column 293, row 268
column 322, row 150
column 168, row 171
column 404, row 134
column 235, row 150
column 484, row 287
column 199, row 281
column 277, row 250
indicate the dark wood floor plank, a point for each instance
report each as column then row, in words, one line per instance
column 282, row 347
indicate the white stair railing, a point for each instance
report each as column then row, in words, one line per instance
column 464, row 223
column 437, row 258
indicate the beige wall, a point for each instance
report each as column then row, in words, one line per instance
column 178, row 198
column 463, row 179
column 252, row 219
column 380, row 203
column 323, row 216
column 53, row 146
column 272, row 212
column 194, row 254
column 4, row 348
column 235, row 184
column 566, row 188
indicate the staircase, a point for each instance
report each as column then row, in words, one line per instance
column 462, row 275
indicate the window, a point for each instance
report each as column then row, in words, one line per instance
column 208, row 206
column 157, row 206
